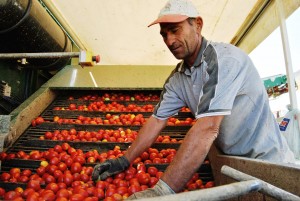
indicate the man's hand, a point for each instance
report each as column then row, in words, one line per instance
column 160, row 189
column 109, row 167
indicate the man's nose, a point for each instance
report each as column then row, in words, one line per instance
column 169, row 39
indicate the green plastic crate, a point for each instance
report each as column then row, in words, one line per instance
column 274, row 81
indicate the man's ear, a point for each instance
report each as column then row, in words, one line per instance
column 199, row 23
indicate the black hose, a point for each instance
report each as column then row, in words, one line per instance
column 27, row 11
column 28, row 28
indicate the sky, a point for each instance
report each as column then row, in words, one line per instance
column 269, row 56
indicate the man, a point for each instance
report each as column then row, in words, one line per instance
column 221, row 86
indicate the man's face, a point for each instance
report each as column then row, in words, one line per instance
column 181, row 38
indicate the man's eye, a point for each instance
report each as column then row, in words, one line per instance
column 164, row 35
column 174, row 30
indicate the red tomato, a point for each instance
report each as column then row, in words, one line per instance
column 134, row 181
column 152, row 171
column 153, row 150
column 120, row 175
column 109, row 199
column 99, row 193
column 76, row 167
column 23, row 179
column 170, row 157
column 209, row 184
column 39, row 120
column 68, row 179
column 10, row 195
column 5, row 176
column 145, row 155
column 26, row 172
column 65, row 146
column 69, row 161
column 192, row 186
column 137, row 160
column 76, row 197
column 110, row 191
column 2, row 192
column 54, row 161
column 51, row 168
column 61, row 185
column 117, row 197
column 53, row 187
column 49, row 179
column 33, row 196
column 21, row 154
column 157, row 160
column 27, row 191
column 141, row 167
column 147, row 162
column 199, row 182
column 131, row 170
column 62, row 166
column 34, row 184
column 80, row 159
column 48, row 195
column 159, row 174
column 122, row 183
column 153, row 155
column 122, row 190
column 101, row 185
column 84, row 177
column 63, row 193
column 13, row 171
column 143, row 178
column 133, row 189
column 153, row 181
column 33, row 123
column 89, row 170
column 81, row 191
column 41, row 170
column 109, row 180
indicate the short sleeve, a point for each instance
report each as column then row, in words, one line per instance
column 225, row 79
column 170, row 102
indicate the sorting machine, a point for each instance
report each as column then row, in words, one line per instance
column 22, row 135
column 246, row 181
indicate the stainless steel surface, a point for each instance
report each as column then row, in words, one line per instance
column 215, row 193
column 267, row 188
column 111, row 76
column 283, row 175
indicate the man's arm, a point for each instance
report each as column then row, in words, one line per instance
column 192, row 152
column 146, row 137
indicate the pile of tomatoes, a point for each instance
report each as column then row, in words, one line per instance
column 119, row 97
column 65, row 174
column 113, row 119
column 120, row 135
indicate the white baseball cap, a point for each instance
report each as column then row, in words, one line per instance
column 176, row 11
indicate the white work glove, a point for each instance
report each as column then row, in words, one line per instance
column 160, row 189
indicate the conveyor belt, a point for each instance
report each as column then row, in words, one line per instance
column 30, row 139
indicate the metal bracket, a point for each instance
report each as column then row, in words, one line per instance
column 86, row 58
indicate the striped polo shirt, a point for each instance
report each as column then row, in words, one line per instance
column 224, row 81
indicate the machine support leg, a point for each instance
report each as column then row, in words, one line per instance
column 267, row 188
column 216, row 193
